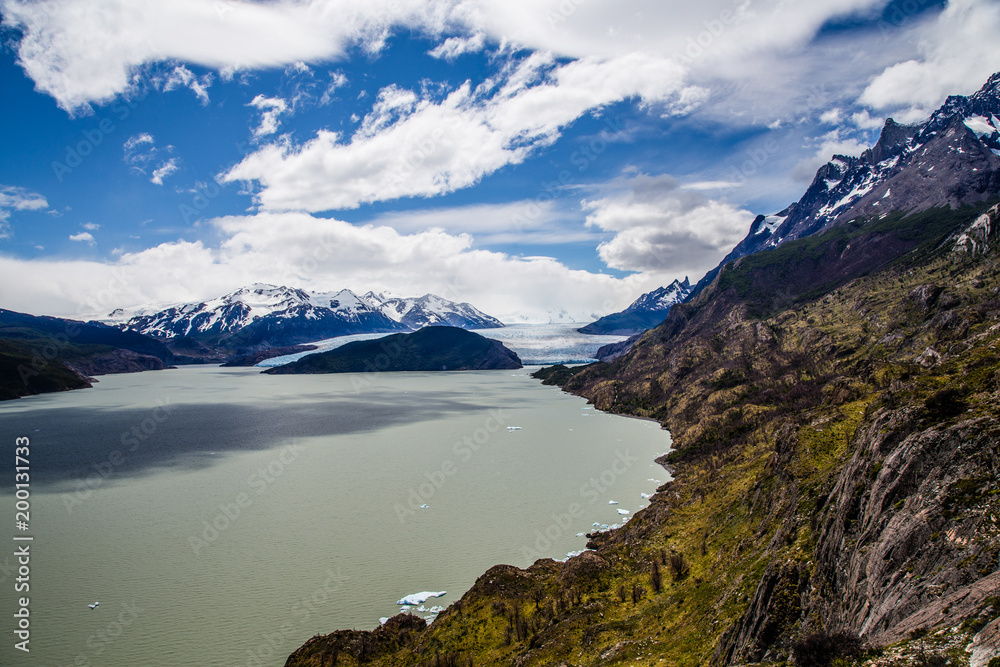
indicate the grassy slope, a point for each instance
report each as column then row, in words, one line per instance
column 766, row 394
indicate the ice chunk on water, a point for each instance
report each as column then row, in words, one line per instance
column 383, row 620
column 623, row 512
column 612, row 502
column 420, row 598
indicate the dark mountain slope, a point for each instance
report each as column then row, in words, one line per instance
column 43, row 354
column 952, row 159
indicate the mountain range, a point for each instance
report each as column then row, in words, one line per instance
column 261, row 315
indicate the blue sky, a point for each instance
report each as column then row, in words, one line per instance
column 541, row 160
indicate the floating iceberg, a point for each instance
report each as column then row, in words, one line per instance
column 513, row 428
column 646, row 496
column 383, row 620
column 623, row 512
column 612, row 502
column 419, row 598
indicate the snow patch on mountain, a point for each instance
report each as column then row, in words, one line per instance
column 262, row 305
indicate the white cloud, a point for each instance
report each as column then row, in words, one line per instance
column 90, row 52
column 140, row 153
column 20, row 199
column 164, row 170
column 865, row 121
column 534, row 222
column 17, row 199
column 315, row 253
column 410, row 145
column 83, row 237
column 663, row 228
column 184, row 78
column 831, row 117
column 453, row 47
column 91, row 226
column 337, row 80
column 959, row 50
column 835, row 142
column 270, row 108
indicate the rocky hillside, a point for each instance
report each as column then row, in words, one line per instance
column 952, row 159
column 836, row 491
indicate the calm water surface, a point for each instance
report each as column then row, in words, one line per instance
column 223, row 517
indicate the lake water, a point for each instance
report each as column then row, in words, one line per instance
column 222, row 517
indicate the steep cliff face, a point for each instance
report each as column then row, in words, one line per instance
column 836, row 491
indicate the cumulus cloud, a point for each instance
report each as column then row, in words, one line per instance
column 90, row 52
column 270, row 108
column 959, row 51
column 835, row 142
column 411, row 145
column 321, row 254
column 663, row 228
column 83, row 237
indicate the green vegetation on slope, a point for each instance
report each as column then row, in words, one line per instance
column 429, row 349
column 836, row 492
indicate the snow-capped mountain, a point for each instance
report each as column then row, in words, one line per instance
column 645, row 312
column 266, row 315
column 662, row 298
column 430, row 310
column 951, row 159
